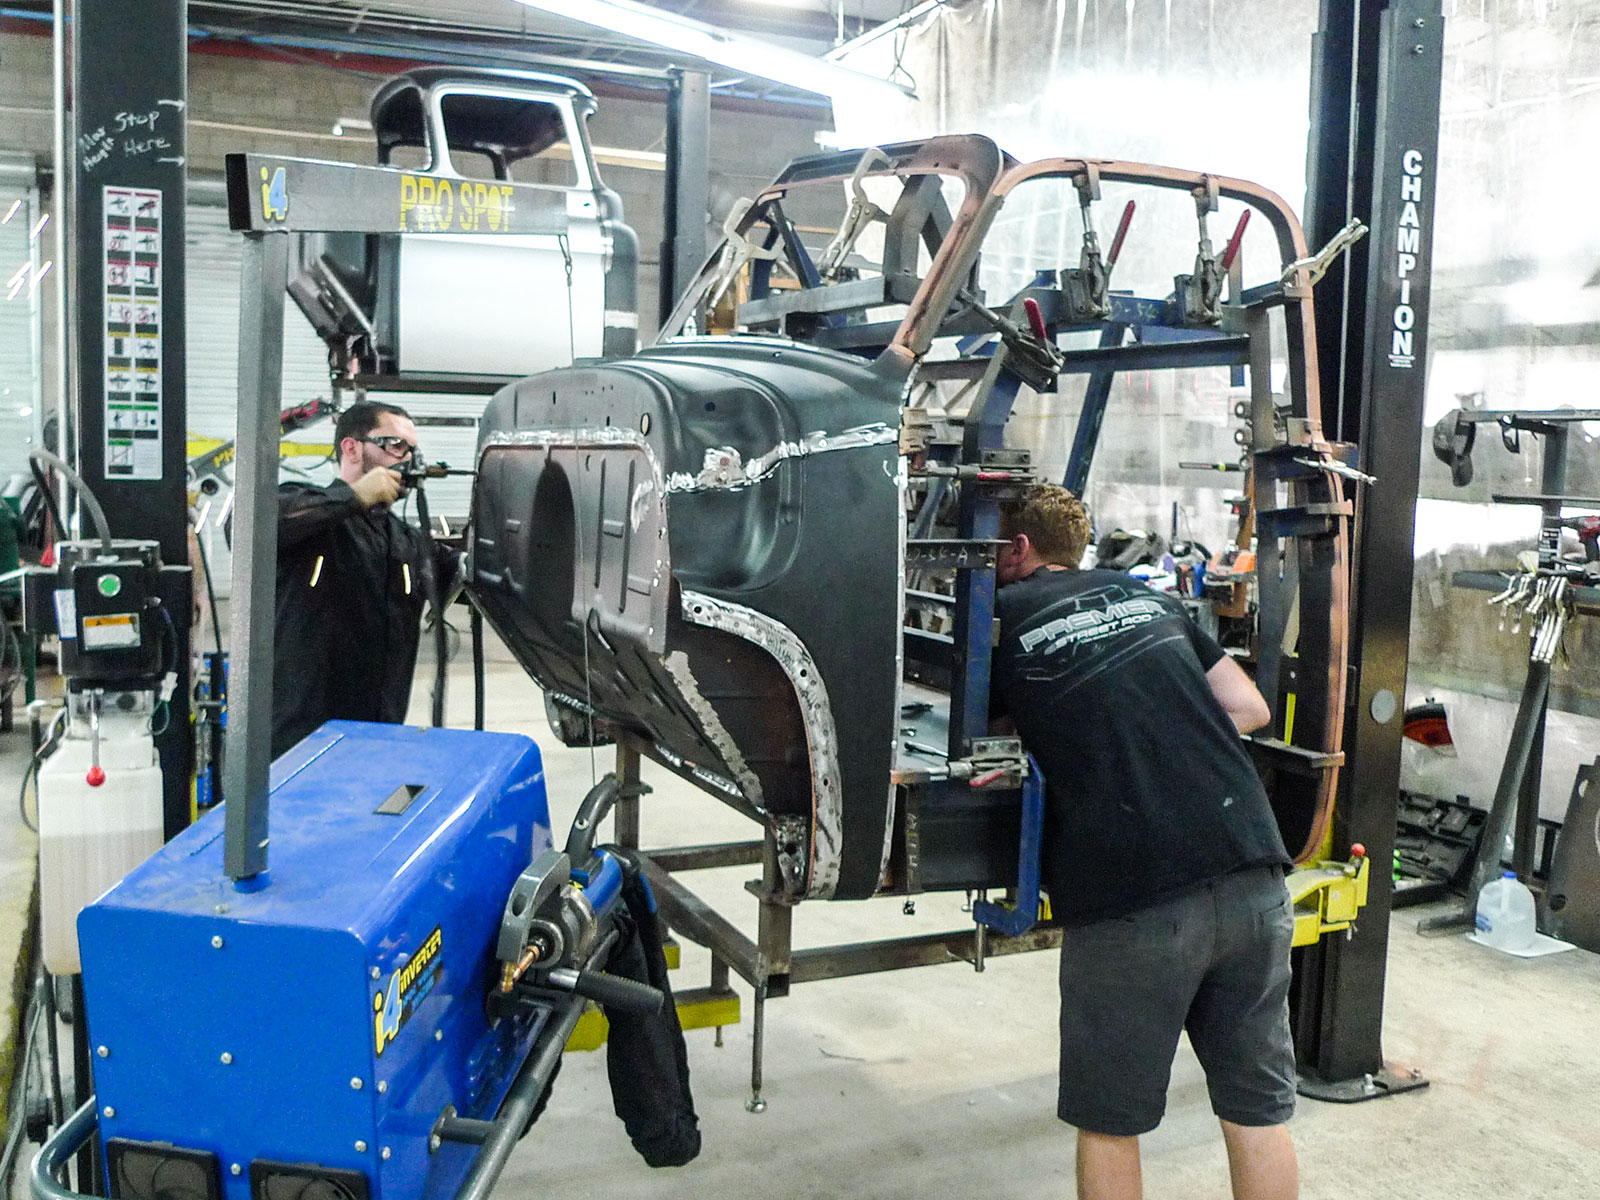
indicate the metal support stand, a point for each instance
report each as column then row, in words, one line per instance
column 625, row 820
column 1516, row 794
column 264, row 277
column 758, row 1031
column 683, row 244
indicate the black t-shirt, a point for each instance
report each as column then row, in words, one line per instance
column 1149, row 789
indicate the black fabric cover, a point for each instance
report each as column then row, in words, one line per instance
column 646, row 1059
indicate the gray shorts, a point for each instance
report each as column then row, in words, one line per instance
column 1214, row 961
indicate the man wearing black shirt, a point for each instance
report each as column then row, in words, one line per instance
column 352, row 580
column 1161, row 855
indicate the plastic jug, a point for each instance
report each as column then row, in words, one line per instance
column 1505, row 918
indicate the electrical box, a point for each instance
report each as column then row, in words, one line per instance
column 106, row 607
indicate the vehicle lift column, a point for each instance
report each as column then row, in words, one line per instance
column 683, row 235
column 127, row 143
column 1374, row 151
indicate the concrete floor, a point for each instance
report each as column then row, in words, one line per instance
column 940, row 1082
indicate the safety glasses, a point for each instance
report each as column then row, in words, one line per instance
column 396, row 446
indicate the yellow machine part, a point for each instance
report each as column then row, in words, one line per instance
column 196, row 446
column 698, row 1008
column 1327, row 896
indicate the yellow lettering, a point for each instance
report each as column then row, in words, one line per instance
column 408, row 196
column 426, row 189
column 446, row 214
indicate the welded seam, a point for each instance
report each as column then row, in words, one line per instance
column 744, row 779
column 816, row 715
column 724, row 468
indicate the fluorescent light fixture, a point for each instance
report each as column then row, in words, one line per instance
column 747, row 55
column 38, row 226
column 844, row 49
column 11, row 212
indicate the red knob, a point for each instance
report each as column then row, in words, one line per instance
column 1357, row 850
column 95, row 777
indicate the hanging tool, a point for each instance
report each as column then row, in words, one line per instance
column 862, row 212
column 1317, row 264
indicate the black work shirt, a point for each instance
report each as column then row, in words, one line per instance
column 1149, row 791
column 352, row 583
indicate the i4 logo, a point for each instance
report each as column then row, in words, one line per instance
column 274, row 195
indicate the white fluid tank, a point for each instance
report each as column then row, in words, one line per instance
column 90, row 837
column 1505, row 916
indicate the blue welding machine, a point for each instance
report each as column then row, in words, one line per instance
column 302, row 1035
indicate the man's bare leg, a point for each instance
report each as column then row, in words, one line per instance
column 1108, row 1167
column 1261, row 1162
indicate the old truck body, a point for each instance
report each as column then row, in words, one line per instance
column 710, row 548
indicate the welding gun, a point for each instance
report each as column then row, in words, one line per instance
column 1588, row 531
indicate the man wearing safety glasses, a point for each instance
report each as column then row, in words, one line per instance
column 352, row 582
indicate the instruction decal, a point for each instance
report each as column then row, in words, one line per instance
column 131, row 251
column 395, row 1004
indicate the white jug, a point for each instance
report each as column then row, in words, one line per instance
column 1505, row 918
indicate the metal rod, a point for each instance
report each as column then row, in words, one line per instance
column 36, row 321
column 476, row 626
column 60, row 204
column 625, row 827
column 265, row 275
column 63, row 1144
column 83, row 1088
column 704, row 857
column 520, row 1101
column 757, row 1048
column 47, row 999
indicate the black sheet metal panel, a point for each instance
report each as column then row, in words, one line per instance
column 710, row 504
column 1570, row 907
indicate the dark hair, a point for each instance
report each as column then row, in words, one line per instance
column 1053, row 518
column 360, row 419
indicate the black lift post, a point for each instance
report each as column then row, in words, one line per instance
column 1376, row 71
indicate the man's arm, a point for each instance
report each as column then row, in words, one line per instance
column 304, row 512
column 1237, row 694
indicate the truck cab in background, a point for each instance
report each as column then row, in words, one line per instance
column 412, row 309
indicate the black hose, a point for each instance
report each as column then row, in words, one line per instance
column 96, row 513
column 430, row 584
column 52, row 509
column 31, row 772
column 593, row 810
column 211, row 592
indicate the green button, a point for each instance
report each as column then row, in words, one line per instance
column 109, row 585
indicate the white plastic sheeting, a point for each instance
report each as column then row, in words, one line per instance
column 1215, row 85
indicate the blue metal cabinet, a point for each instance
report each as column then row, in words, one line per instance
column 327, row 1011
